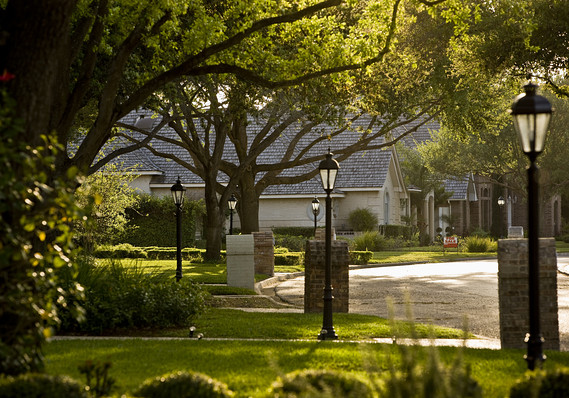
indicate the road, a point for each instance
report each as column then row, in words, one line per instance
column 445, row 294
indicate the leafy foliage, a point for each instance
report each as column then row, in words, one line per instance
column 363, row 220
column 371, row 240
column 37, row 385
column 35, row 241
column 478, row 244
column 108, row 195
column 434, row 379
column 183, row 385
column 99, row 382
column 360, row 257
column 321, row 384
column 539, row 383
column 152, row 222
column 117, row 296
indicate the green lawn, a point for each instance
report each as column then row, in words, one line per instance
column 249, row 367
column 404, row 256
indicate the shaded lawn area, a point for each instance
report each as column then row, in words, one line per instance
column 249, row 367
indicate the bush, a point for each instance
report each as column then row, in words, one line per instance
column 321, row 383
column 124, row 250
column 363, row 220
column 37, row 385
column 152, row 222
column 431, row 380
column 305, row 232
column 183, row 385
column 121, row 297
column 476, row 244
column 397, row 231
column 553, row 383
column 292, row 243
column 289, row 258
column 360, row 257
column 371, row 240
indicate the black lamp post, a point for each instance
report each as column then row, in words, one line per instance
column 231, row 202
column 328, row 171
column 315, row 211
column 532, row 113
column 178, row 192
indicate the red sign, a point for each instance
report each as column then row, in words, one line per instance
column 450, row 241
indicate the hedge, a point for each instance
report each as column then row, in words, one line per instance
column 394, row 231
column 290, row 258
column 306, row 232
column 126, row 250
column 360, row 257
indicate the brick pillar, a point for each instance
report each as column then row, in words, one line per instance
column 513, row 292
column 321, row 234
column 264, row 253
column 314, row 260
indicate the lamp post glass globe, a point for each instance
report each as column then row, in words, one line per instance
column 328, row 171
column 178, row 192
column 315, row 206
column 501, row 201
column 232, row 203
column 531, row 114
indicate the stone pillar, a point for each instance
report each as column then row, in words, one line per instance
column 314, row 260
column 513, row 292
column 264, row 253
column 240, row 256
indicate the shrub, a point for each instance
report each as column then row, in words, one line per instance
column 305, row 232
column 37, row 385
column 292, row 243
column 476, row 244
column 431, row 380
column 289, row 258
column 152, row 222
column 124, row 250
column 183, row 385
column 362, row 220
column 396, row 231
column 360, row 257
column 553, row 383
column 119, row 297
column 321, row 383
column 371, row 240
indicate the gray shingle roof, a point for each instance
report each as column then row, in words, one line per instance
column 365, row 169
column 458, row 187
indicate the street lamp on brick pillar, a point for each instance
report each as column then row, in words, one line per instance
column 232, row 203
column 328, row 171
column 315, row 211
column 178, row 193
column 532, row 113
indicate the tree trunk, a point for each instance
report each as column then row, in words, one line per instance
column 35, row 51
column 214, row 221
column 248, row 205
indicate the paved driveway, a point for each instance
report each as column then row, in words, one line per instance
column 445, row 294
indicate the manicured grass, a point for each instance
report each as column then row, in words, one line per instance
column 404, row 256
column 249, row 367
column 562, row 247
column 228, row 323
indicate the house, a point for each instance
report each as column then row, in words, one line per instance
column 369, row 179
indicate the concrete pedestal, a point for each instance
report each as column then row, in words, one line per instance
column 240, row 261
